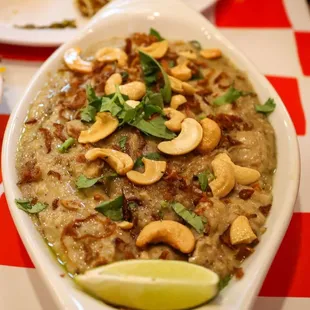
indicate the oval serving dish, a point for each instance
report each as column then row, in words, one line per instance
column 178, row 22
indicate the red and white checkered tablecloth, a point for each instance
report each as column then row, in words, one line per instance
column 275, row 35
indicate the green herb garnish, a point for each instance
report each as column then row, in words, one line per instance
column 196, row 44
column 198, row 76
column 266, row 108
column 88, row 114
column 152, row 156
column 112, row 208
column 122, row 143
column 224, row 282
column 171, row 63
column 196, row 221
column 66, row 145
column 204, row 178
column 124, row 75
column 230, row 96
column 156, row 34
column 27, row 206
column 150, row 68
column 84, row 182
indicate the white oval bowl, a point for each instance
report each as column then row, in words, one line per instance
column 175, row 21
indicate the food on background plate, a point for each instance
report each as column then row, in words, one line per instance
column 148, row 149
column 89, row 8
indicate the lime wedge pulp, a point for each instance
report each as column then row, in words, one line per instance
column 151, row 284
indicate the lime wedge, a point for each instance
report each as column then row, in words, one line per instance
column 151, row 284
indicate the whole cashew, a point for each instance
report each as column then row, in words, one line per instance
column 156, row 50
column 75, row 62
column 211, row 53
column 153, row 172
column 181, row 87
column 105, row 125
column 187, row 140
column 119, row 161
column 241, row 231
column 173, row 233
column 188, row 54
column 114, row 79
column 176, row 101
column 243, row 175
column 175, row 119
column 224, row 178
column 211, row 135
column 110, row 54
column 134, row 90
column 181, row 71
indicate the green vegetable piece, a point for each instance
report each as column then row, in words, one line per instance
column 122, row 143
column 26, row 206
column 152, row 98
column 112, row 208
column 198, row 76
column 224, row 282
column 204, row 178
column 190, row 217
column 150, row 68
column 83, row 182
column 66, row 145
column 151, row 109
column 230, row 96
column 88, row 114
column 171, row 63
column 124, row 75
column 266, row 108
column 92, row 99
column 152, row 156
column 156, row 34
column 155, row 127
column 196, row 44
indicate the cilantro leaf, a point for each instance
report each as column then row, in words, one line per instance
column 155, row 127
column 154, row 99
column 122, row 143
column 196, row 44
column 66, row 145
column 150, row 68
column 92, row 99
column 151, row 109
column 88, row 114
column 204, row 178
column 26, row 206
column 124, row 75
column 224, row 282
column 156, row 34
column 112, row 208
column 190, row 217
column 268, row 107
column 230, row 96
column 152, row 156
column 171, row 63
column 84, row 182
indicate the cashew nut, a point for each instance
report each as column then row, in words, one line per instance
column 105, row 124
column 181, row 71
column 176, row 101
column 153, row 172
column 188, row 54
column 211, row 53
column 132, row 103
column 125, row 225
column 114, row 79
column 173, row 233
column 187, row 140
column 75, row 62
column 156, row 50
column 175, row 119
column 224, row 178
column 120, row 162
column 241, row 231
column 181, row 87
column 110, row 54
column 243, row 175
column 134, row 90
column 211, row 135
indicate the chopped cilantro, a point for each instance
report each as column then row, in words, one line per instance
column 112, row 208
column 230, row 96
column 27, row 206
column 122, row 143
column 152, row 156
column 156, row 34
column 66, row 145
column 204, row 178
column 266, row 108
column 84, row 182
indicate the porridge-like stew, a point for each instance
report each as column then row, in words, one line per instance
column 148, row 149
